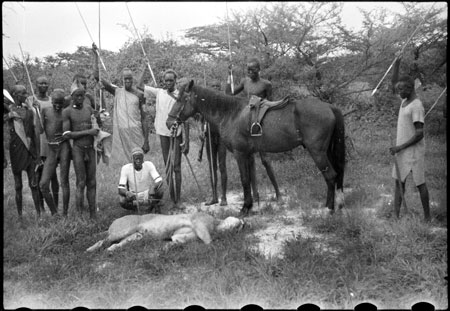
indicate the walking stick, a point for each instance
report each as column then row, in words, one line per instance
column 193, row 174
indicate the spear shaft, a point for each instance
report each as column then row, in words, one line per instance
column 140, row 42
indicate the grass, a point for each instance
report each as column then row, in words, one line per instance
column 358, row 255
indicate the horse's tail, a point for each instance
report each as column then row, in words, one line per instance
column 337, row 147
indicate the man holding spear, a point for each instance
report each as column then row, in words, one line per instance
column 410, row 147
column 129, row 126
column 22, row 146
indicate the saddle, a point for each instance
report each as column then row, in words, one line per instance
column 258, row 108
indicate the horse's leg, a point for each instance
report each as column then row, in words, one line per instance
column 222, row 155
column 243, row 161
column 270, row 173
column 253, row 180
column 324, row 165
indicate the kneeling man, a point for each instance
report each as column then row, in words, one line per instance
column 140, row 184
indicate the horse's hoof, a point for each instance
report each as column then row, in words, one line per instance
column 223, row 202
column 212, row 202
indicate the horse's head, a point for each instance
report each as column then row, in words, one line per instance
column 183, row 107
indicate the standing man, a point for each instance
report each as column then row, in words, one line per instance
column 78, row 125
column 37, row 104
column 129, row 127
column 22, row 146
column 58, row 151
column 140, row 181
column 165, row 99
column 410, row 145
column 81, row 81
column 253, row 84
column 216, row 153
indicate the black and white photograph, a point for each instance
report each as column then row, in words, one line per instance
column 225, row 155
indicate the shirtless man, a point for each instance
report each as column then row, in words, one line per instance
column 58, row 150
column 22, row 146
column 36, row 105
column 253, row 84
column 78, row 125
column 81, row 80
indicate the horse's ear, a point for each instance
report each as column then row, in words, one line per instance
column 191, row 84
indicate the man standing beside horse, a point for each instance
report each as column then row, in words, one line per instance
column 165, row 99
column 253, row 84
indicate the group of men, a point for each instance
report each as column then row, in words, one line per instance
column 58, row 128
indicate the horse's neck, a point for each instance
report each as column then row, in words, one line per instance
column 219, row 110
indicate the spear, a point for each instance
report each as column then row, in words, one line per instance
column 96, row 51
column 31, row 85
column 401, row 51
column 140, row 42
column 229, row 50
column 10, row 70
column 445, row 89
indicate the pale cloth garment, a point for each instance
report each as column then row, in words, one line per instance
column 147, row 177
column 411, row 159
column 164, row 103
column 127, row 126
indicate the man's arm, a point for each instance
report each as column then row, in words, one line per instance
column 123, row 182
column 108, row 86
column 237, row 89
column 418, row 136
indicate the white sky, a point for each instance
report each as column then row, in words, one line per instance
column 45, row 28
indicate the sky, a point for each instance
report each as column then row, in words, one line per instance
column 46, row 28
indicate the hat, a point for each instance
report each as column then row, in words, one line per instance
column 137, row 150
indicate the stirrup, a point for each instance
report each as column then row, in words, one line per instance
column 258, row 131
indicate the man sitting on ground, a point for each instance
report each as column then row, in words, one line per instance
column 140, row 184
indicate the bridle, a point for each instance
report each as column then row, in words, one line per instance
column 177, row 117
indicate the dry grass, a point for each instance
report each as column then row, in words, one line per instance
column 358, row 255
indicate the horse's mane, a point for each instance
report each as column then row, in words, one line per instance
column 218, row 101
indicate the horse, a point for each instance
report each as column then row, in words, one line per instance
column 314, row 124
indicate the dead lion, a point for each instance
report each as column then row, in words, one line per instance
column 179, row 228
